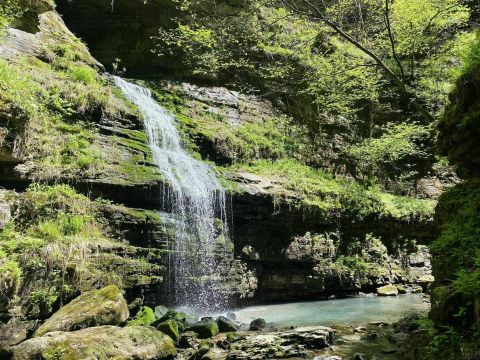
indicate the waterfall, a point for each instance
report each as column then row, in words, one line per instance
column 196, row 197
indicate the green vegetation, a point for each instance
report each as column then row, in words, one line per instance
column 325, row 192
column 58, row 244
column 9, row 10
column 324, row 77
column 145, row 316
column 401, row 147
column 456, row 252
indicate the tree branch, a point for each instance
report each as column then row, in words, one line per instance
column 319, row 15
column 392, row 40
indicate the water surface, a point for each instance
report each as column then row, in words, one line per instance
column 341, row 312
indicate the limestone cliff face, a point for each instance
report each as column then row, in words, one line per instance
column 81, row 131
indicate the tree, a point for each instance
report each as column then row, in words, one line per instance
column 419, row 22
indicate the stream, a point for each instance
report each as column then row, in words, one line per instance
column 340, row 312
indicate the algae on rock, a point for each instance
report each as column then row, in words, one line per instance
column 106, row 306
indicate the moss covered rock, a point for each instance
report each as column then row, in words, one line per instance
column 170, row 328
column 226, row 325
column 145, row 316
column 387, row 290
column 93, row 308
column 204, row 328
column 103, row 342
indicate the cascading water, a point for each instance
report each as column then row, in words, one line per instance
column 196, row 196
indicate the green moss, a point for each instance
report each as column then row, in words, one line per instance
column 456, row 258
column 320, row 190
column 61, row 243
column 205, row 328
column 170, row 328
column 145, row 316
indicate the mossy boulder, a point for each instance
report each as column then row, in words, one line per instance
column 226, row 325
column 204, row 328
column 144, row 316
column 387, row 290
column 258, row 324
column 174, row 315
column 401, row 289
column 170, row 328
column 160, row 311
column 103, row 342
column 106, row 306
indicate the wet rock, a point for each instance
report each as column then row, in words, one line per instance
column 226, row 325
column 285, row 344
column 315, row 337
column 378, row 323
column 112, row 342
column 358, row 356
column 233, row 337
column 389, row 351
column 204, row 328
column 170, row 328
column 327, row 357
column 401, row 289
column 387, row 290
column 160, row 311
column 372, row 336
column 417, row 289
column 201, row 352
column 188, row 339
column 182, row 319
column 398, row 338
column 409, row 324
column 144, row 316
column 93, row 308
column 360, row 329
column 258, row 324
column 232, row 316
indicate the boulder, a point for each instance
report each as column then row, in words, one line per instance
column 144, row 316
column 188, row 339
column 258, row 324
column 401, row 289
column 387, row 290
column 13, row 333
column 398, row 338
column 226, row 325
column 204, row 328
column 102, row 342
column 179, row 316
column 170, row 328
column 160, row 311
column 408, row 324
column 93, row 308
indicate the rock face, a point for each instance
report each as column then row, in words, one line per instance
column 103, row 342
column 122, row 29
column 106, row 306
column 268, row 237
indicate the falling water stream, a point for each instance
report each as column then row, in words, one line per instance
column 196, row 197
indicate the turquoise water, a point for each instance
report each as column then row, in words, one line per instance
column 341, row 312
